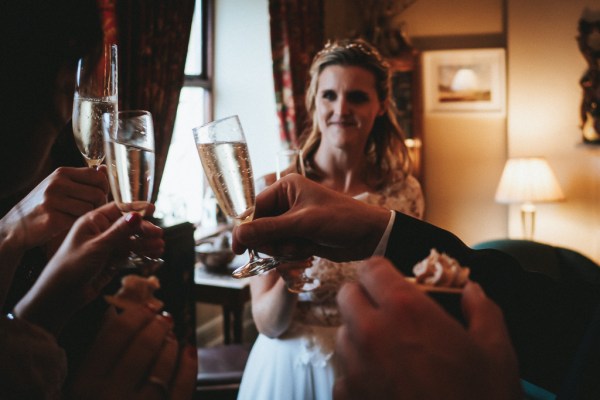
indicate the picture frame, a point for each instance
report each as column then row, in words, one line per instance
column 464, row 80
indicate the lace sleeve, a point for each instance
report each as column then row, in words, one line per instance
column 405, row 196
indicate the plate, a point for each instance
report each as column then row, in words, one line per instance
column 434, row 289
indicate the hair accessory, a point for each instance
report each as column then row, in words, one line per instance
column 360, row 45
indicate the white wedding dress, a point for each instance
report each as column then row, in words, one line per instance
column 301, row 363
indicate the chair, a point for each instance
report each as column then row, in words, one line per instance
column 176, row 278
column 220, row 370
column 556, row 262
column 577, row 276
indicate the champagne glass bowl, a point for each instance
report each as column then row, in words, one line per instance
column 95, row 94
column 129, row 145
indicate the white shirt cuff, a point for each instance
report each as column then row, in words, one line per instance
column 383, row 242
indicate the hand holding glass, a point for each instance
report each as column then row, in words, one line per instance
column 225, row 159
column 129, row 144
column 95, row 95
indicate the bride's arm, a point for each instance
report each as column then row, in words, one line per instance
column 272, row 304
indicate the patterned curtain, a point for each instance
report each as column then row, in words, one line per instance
column 296, row 36
column 153, row 38
column 109, row 19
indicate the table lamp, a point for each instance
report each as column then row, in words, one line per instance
column 528, row 181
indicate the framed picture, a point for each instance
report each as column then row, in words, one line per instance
column 470, row 80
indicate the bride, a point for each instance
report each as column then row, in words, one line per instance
column 355, row 146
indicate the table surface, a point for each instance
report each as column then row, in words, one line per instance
column 204, row 277
column 231, row 293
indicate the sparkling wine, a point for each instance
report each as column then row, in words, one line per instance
column 87, row 128
column 131, row 175
column 229, row 172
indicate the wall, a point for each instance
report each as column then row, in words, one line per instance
column 243, row 82
column 545, row 66
column 464, row 156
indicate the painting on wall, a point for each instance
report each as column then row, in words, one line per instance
column 589, row 45
column 470, row 80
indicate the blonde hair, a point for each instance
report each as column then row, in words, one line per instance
column 386, row 152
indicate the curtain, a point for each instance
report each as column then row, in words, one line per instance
column 296, row 36
column 153, row 38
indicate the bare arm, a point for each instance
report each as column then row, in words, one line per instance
column 10, row 254
column 272, row 304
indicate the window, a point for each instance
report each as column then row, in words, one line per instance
column 182, row 186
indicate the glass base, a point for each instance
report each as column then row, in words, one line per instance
column 146, row 266
column 256, row 266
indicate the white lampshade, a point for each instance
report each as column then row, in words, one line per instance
column 465, row 79
column 528, row 180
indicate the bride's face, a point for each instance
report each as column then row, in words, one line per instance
column 346, row 105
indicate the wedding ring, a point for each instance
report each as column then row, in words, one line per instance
column 160, row 385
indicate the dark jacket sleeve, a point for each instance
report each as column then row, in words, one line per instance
column 546, row 318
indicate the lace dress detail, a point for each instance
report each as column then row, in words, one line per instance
column 300, row 364
column 318, row 307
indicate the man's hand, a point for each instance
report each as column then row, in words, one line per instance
column 396, row 342
column 296, row 218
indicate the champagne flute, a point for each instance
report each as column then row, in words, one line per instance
column 129, row 145
column 224, row 156
column 292, row 161
column 95, row 95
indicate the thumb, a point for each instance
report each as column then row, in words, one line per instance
column 280, row 236
column 121, row 230
column 484, row 317
column 489, row 333
column 258, row 232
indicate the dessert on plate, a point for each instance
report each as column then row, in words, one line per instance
column 439, row 272
column 136, row 289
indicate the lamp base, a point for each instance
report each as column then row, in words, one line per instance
column 528, row 220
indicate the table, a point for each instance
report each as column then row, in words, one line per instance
column 230, row 293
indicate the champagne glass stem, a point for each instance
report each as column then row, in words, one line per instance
column 255, row 266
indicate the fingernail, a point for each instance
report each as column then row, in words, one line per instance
column 152, row 307
column 167, row 317
column 129, row 217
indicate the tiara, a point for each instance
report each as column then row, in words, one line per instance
column 330, row 47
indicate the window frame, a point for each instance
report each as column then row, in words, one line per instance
column 205, row 78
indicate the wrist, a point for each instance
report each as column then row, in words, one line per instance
column 43, row 310
column 12, row 245
column 11, row 253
